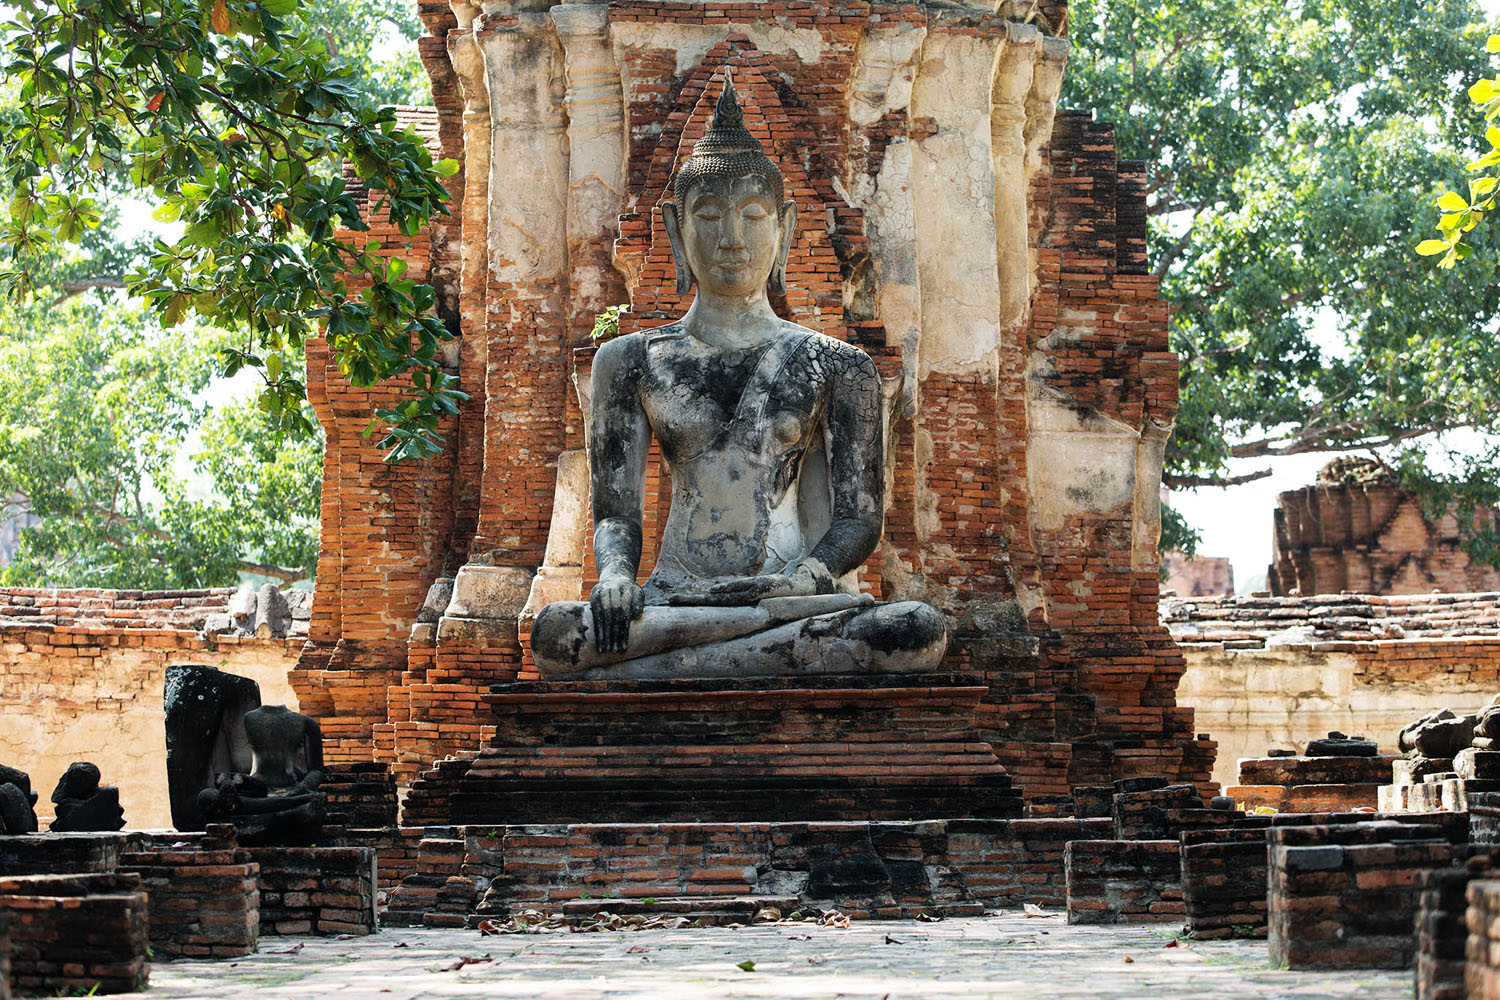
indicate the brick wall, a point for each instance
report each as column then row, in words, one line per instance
column 81, row 678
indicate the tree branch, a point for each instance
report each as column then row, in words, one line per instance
column 80, row 285
column 1304, row 444
column 1175, row 482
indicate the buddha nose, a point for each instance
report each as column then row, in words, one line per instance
column 732, row 231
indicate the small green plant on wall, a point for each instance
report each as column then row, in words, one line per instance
column 607, row 323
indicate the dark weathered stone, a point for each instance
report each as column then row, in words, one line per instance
column 81, row 805
column 1438, row 734
column 1487, row 723
column 205, row 712
column 1339, row 745
column 16, row 801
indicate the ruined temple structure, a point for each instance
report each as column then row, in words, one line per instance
column 1196, row 576
column 1356, row 530
column 988, row 252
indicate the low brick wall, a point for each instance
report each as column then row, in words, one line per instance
column 4, row 956
column 316, row 890
column 1482, row 951
column 1124, row 881
column 1224, row 872
column 868, row 869
column 76, row 933
column 64, row 853
column 1443, row 930
column 1345, row 897
column 204, row 903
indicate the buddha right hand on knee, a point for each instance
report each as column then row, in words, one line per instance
column 614, row 604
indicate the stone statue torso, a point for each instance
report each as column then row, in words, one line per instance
column 744, row 435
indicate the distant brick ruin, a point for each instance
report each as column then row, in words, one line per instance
column 1196, row 576
column 1356, row 530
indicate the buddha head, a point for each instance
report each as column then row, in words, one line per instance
column 729, row 225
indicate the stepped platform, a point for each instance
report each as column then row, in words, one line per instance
column 827, row 748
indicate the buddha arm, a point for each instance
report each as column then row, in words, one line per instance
column 619, row 440
column 855, row 465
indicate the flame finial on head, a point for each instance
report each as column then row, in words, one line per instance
column 728, row 149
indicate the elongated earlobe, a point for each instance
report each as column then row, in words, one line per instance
column 788, row 234
column 679, row 254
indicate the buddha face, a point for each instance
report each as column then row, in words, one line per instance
column 731, row 234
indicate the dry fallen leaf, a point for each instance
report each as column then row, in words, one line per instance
column 767, row 915
column 1032, row 910
column 636, row 949
column 1129, row 959
column 816, row 959
column 891, row 940
column 1170, row 944
column 928, row 918
column 466, row 960
column 284, row 951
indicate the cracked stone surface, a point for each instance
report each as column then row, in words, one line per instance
column 1002, row 955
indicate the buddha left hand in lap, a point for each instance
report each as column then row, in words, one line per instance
column 772, row 437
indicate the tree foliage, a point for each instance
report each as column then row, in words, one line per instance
column 235, row 118
column 108, row 439
column 1289, row 147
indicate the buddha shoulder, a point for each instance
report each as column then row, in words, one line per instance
column 838, row 356
column 622, row 356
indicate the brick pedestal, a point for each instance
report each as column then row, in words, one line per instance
column 316, row 890
column 1345, row 897
column 833, row 748
column 76, row 933
column 1312, row 784
column 204, row 903
column 1124, row 882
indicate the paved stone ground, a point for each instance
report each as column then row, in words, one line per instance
column 1005, row 955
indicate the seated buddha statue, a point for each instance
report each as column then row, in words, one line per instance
column 278, row 802
column 772, row 436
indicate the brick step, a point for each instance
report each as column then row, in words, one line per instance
column 744, row 710
column 742, row 908
column 766, row 799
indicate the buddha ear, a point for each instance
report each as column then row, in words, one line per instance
column 788, row 236
column 679, row 255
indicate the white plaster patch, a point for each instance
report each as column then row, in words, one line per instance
column 691, row 42
column 1077, row 462
column 884, row 72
